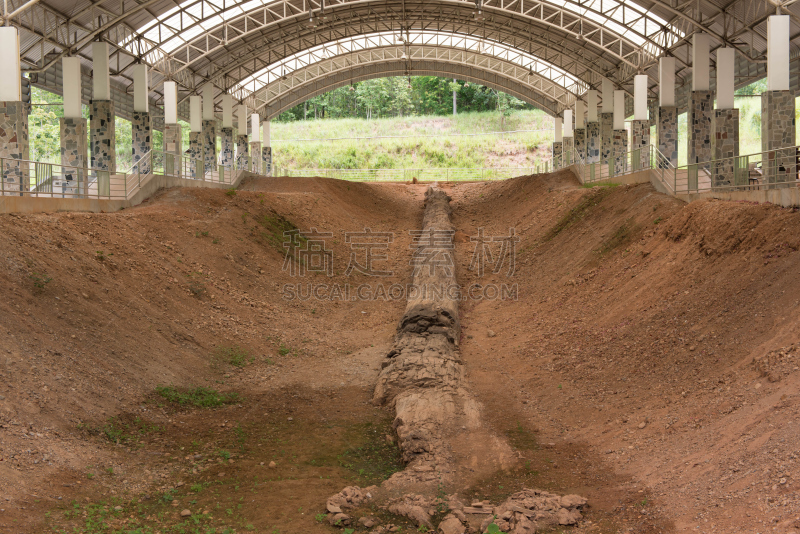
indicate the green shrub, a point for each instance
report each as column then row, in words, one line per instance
column 199, row 397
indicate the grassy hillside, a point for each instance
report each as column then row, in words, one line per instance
column 507, row 150
column 441, row 149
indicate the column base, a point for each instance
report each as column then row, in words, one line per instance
column 196, row 154
column 266, row 158
column 255, row 150
column 620, row 151
column 14, row 176
column 580, row 144
column 210, row 144
column 667, row 131
column 74, row 158
column 103, row 136
column 593, row 142
column 777, row 132
column 701, row 111
column 242, row 152
column 606, row 136
column 640, row 133
column 142, row 136
column 558, row 152
column 226, row 150
column 725, row 125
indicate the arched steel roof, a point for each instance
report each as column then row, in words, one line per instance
column 197, row 41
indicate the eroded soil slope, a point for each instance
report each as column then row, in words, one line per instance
column 635, row 333
column 97, row 310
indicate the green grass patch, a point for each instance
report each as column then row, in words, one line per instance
column 376, row 458
column 233, row 355
column 579, row 212
column 276, row 229
column 199, row 397
column 621, row 236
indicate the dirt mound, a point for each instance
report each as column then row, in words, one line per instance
column 635, row 331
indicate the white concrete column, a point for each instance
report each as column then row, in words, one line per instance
column 208, row 102
column 255, row 128
column 608, row 96
column 778, row 53
column 701, row 62
column 10, row 82
column 171, row 103
column 666, row 82
column 568, row 123
column 640, row 97
column 141, row 88
column 241, row 115
column 558, row 130
column 580, row 118
column 619, row 110
column 71, row 76
column 227, row 111
column 725, row 67
column 100, row 78
column 196, row 113
column 591, row 100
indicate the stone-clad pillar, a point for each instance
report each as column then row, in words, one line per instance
column 725, row 123
column 701, row 102
column 141, row 131
column 607, row 122
column 103, row 136
column 14, row 176
column 196, row 136
column 74, row 138
column 196, row 153
column 558, row 142
column 74, row 151
column 777, row 106
column 778, row 131
column 667, row 120
column 14, row 146
column 667, row 130
column 580, row 144
column 593, row 143
column 606, row 136
column 640, row 127
column 640, row 133
column 142, row 140
column 701, row 110
column 242, row 151
column 620, row 134
column 210, row 144
column 173, row 136
column 266, row 160
column 726, row 146
column 620, row 151
column 255, row 150
column 242, row 143
column 558, row 152
column 226, row 146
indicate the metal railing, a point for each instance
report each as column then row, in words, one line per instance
column 29, row 178
column 772, row 169
column 420, row 174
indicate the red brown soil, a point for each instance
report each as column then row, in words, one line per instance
column 643, row 310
